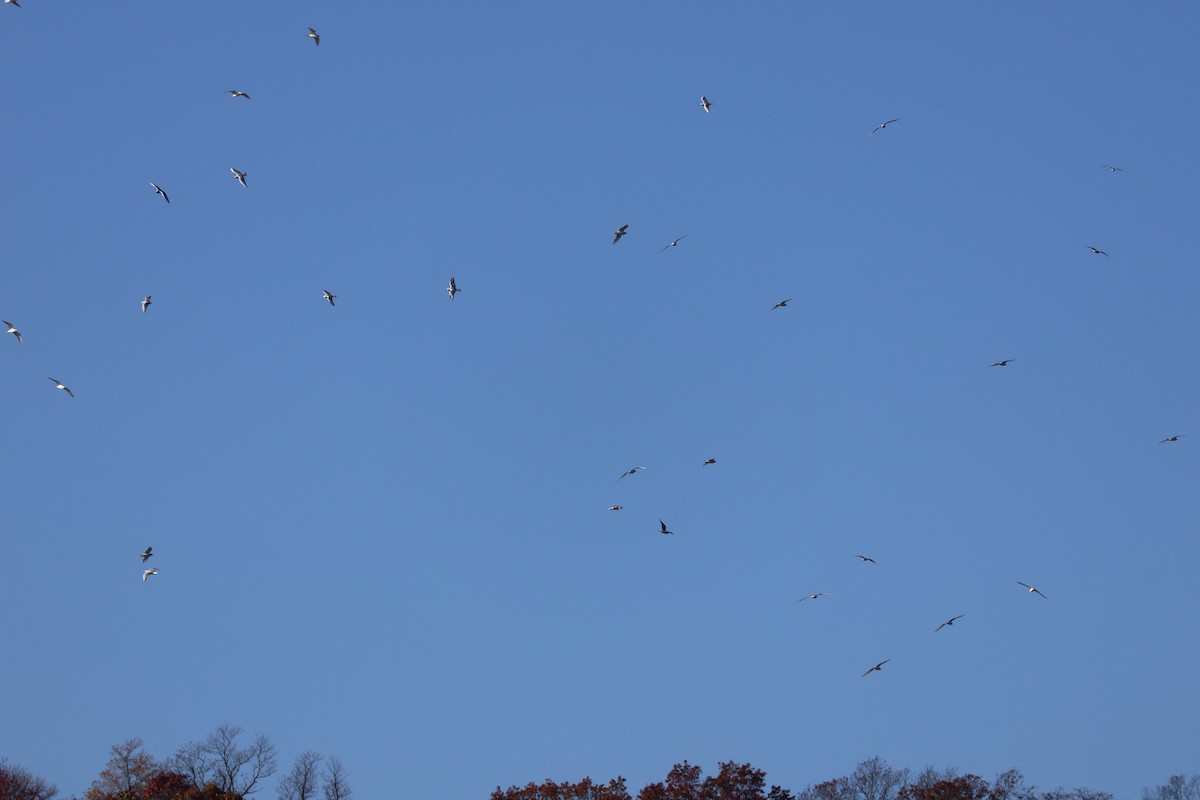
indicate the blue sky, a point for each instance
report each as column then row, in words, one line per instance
column 381, row 528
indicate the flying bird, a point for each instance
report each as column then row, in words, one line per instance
column 236, row 94
column 158, row 190
column 705, row 104
column 12, row 3
column 146, row 573
column 146, row 303
column 1097, row 251
column 59, row 385
column 12, row 329
column 630, row 472
column 316, row 37
column 1032, row 589
column 876, row 668
column 619, row 232
column 948, row 622
column 662, row 528
column 709, row 462
column 241, row 176
column 781, row 304
column 147, row 553
column 865, row 559
column 452, row 289
column 1111, row 168
column 325, row 294
column 615, row 508
column 1174, row 438
column 673, row 244
column 882, row 126
column 813, row 596
column 1003, row 363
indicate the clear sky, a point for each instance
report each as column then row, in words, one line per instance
column 382, row 527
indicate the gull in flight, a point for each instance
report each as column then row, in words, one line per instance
column 1111, row 168
column 1174, row 438
column 325, row 294
column 662, row 528
column 709, row 462
column 781, row 304
column 882, row 126
column 949, row 622
column 615, row 508
column 452, row 289
column 865, row 559
column 316, row 37
column 813, row 596
column 146, row 573
column 619, row 232
column 705, row 104
column 12, row 3
column 630, row 472
column 147, row 553
column 1032, row 589
column 1097, row 251
column 158, row 190
column 1003, row 363
column 13, row 330
column 241, row 176
column 236, row 94
column 876, row 668
column 59, row 385
column 146, row 303
column 673, row 244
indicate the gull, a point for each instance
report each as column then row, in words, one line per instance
column 1003, row 363
column 241, row 176
column 949, row 622
column 813, row 596
column 630, row 472
column 316, row 37
column 705, row 104
column 884, row 125
column 236, row 94
column 158, row 190
column 709, row 463
column 1097, row 251
column 325, row 294
column 1174, row 438
column 452, row 289
column 876, row 668
column 781, row 304
column 619, row 232
column 615, row 508
column 1111, row 168
column 147, row 554
column 673, row 244
column 865, row 559
column 662, row 528
column 146, row 573
column 1032, row 589
column 59, row 385
column 12, row 329
column 146, row 303
column 12, row 3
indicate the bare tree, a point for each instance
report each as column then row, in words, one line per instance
column 126, row 774
column 301, row 782
column 1177, row 787
column 873, row 779
column 218, row 760
column 335, row 786
column 18, row 783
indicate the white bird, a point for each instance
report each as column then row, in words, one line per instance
column 1111, row 168
column 882, row 126
column 1097, row 250
column 705, row 104
column 146, row 573
column 452, row 289
column 876, row 668
column 662, row 528
column 1174, row 438
column 630, row 472
column 149, row 551
column 241, row 176
column 316, row 37
column 781, row 304
column 325, row 294
column 1032, row 589
column 59, row 385
column 146, row 303
column 12, row 329
column 813, row 596
column 865, row 559
column 236, row 94
column 619, row 232
column 615, row 508
column 949, row 622
column 709, row 462
column 674, row 243
column 158, row 190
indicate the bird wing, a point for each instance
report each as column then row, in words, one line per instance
column 1026, row 585
column 68, row 391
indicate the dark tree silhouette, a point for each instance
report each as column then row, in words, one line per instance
column 549, row 790
column 1177, row 787
column 219, row 761
column 301, row 783
column 18, row 783
column 126, row 775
